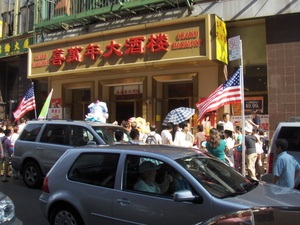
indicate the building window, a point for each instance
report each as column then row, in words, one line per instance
column 22, row 23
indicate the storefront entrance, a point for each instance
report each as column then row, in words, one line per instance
column 76, row 99
column 128, row 101
column 179, row 94
column 128, row 109
column 174, row 91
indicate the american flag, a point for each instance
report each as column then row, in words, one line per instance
column 27, row 103
column 227, row 93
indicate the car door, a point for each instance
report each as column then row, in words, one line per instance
column 53, row 143
column 92, row 176
column 139, row 207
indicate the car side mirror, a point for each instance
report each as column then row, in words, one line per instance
column 186, row 195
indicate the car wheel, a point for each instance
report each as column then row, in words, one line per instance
column 65, row 214
column 32, row 175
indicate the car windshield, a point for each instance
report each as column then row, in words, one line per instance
column 216, row 177
column 107, row 133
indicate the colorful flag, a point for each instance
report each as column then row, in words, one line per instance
column 227, row 93
column 45, row 108
column 27, row 104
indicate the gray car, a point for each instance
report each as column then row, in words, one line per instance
column 42, row 142
column 98, row 186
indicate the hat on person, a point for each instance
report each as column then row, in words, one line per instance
column 248, row 127
column 229, row 129
column 148, row 166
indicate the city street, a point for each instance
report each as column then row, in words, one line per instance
column 26, row 201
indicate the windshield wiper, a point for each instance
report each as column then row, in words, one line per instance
column 234, row 194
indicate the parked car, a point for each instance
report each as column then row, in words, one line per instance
column 291, row 132
column 99, row 186
column 258, row 216
column 7, row 211
column 42, row 142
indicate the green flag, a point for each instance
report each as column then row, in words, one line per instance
column 45, row 108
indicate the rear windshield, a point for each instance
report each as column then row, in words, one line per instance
column 292, row 135
column 107, row 133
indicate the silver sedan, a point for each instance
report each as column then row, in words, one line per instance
column 149, row 184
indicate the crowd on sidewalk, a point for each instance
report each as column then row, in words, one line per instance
column 9, row 134
column 223, row 142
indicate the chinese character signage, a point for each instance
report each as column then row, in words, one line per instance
column 221, row 41
column 15, row 47
column 137, row 46
column 264, row 120
column 54, row 113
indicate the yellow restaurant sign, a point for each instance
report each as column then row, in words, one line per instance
column 221, row 41
column 186, row 39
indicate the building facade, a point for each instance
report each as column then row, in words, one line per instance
column 149, row 86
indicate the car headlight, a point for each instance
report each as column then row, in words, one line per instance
column 7, row 209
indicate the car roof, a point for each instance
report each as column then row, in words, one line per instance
column 173, row 152
column 83, row 122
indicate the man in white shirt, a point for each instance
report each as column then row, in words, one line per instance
column 228, row 125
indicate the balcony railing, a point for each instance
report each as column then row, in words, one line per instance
column 53, row 14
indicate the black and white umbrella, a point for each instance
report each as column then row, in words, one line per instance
column 179, row 115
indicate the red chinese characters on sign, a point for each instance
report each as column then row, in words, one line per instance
column 74, row 54
column 128, row 92
column 58, row 57
column 135, row 45
column 92, row 50
column 158, row 42
column 113, row 48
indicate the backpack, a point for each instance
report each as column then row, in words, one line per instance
column 151, row 140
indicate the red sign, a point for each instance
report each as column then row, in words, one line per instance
column 134, row 45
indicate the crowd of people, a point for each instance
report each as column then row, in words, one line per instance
column 224, row 142
column 9, row 134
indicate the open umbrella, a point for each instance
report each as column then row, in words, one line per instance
column 179, row 115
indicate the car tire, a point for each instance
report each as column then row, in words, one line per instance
column 32, row 175
column 65, row 214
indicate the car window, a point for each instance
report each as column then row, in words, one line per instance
column 292, row 135
column 95, row 168
column 55, row 134
column 135, row 180
column 107, row 133
column 80, row 136
column 219, row 179
column 30, row 132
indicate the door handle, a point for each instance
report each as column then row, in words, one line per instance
column 123, row 201
column 39, row 148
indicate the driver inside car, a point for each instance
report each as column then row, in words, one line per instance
column 147, row 177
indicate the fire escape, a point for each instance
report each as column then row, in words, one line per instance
column 54, row 15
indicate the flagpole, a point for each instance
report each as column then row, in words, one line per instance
column 35, row 115
column 243, row 110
